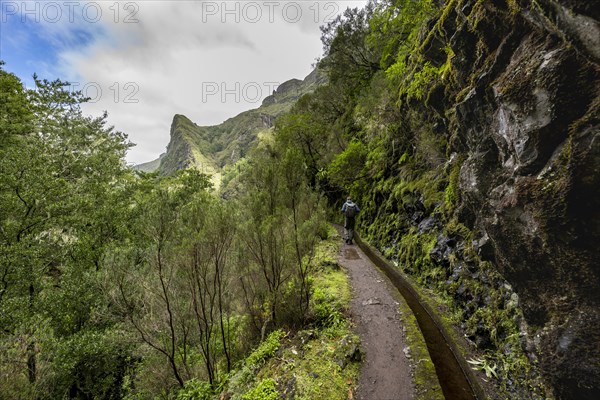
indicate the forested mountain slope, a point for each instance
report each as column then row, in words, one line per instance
column 210, row 148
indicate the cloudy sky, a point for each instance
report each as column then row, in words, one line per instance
column 144, row 61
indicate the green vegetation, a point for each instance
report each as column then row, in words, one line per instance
column 151, row 166
column 265, row 390
column 62, row 198
column 195, row 390
column 122, row 284
column 265, row 350
column 318, row 362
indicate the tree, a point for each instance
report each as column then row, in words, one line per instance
column 150, row 278
column 348, row 59
column 174, row 281
column 212, row 230
column 307, row 217
column 57, row 172
column 264, row 234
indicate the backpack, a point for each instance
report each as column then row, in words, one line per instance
column 350, row 210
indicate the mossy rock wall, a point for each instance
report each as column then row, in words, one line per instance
column 507, row 223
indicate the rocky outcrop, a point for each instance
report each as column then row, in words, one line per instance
column 508, row 226
column 291, row 90
column 528, row 123
column 179, row 154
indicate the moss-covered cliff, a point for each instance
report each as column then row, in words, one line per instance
column 486, row 188
column 528, row 126
column 468, row 132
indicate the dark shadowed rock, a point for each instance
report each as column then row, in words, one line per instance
column 530, row 127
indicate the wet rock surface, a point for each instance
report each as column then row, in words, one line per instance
column 530, row 130
column 521, row 115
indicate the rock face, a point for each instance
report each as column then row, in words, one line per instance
column 528, row 124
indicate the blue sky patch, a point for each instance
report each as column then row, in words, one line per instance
column 31, row 39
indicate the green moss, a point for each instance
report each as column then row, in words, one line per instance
column 458, row 231
column 510, row 364
column 329, row 301
column 319, row 373
column 266, row 349
column 427, row 386
column 486, row 304
column 265, row 390
column 439, row 24
column 513, row 6
column 413, row 253
column 331, row 297
column 451, row 193
column 476, row 15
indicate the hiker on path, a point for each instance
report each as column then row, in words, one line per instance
column 350, row 209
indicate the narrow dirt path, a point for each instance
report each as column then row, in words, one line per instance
column 386, row 372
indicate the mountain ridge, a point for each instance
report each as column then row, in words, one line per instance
column 211, row 148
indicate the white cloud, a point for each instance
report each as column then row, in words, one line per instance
column 177, row 49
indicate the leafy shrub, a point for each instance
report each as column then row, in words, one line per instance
column 195, row 390
column 346, row 165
